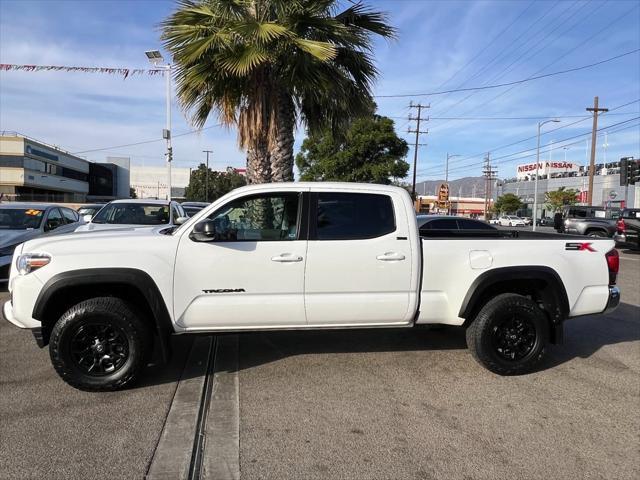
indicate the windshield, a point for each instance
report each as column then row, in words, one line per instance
column 133, row 214
column 20, row 218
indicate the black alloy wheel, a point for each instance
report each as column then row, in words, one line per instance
column 99, row 349
column 509, row 334
column 514, row 338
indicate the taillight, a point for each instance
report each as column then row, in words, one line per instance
column 621, row 226
column 613, row 263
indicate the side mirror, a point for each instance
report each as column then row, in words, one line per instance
column 180, row 220
column 87, row 218
column 204, row 231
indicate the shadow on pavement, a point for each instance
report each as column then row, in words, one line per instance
column 584, row 336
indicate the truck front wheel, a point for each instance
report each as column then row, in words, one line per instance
column 509, row 335
column 99, row 344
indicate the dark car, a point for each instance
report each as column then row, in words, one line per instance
column 545, row 222
column 191, row 208
column 628, row 228
column 437, row 222
column 20, row 222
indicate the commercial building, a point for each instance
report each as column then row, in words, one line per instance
column 151, row 182
column 472, row 207
column 607, row 191
column 31, row 170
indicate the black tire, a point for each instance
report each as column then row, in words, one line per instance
column 117, row 344
column 596, row 233
column 509, row 335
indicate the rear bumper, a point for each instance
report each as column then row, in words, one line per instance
column 614, row 300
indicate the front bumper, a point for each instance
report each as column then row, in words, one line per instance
column 614, row 300
column 7, row 314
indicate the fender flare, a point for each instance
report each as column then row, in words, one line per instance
column 529, row 272
column 131, row 277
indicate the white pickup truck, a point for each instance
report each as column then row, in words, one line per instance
column 300, row 256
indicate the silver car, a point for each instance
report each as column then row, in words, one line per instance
column 136, row 213
column 20, row 222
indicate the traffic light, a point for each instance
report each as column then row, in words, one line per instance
column 624, row 171
column 634, row 171
column 629, row 171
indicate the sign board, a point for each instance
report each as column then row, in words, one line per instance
column 545, row 168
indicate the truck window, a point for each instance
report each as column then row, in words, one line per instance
column 353, row 216
column 265, row 217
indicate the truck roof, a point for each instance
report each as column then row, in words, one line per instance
column 320, row 186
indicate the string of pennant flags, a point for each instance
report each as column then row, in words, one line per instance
column 125, row 72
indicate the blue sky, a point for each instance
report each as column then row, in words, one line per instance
column 442, row 45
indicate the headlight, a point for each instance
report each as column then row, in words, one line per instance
column 29, row 262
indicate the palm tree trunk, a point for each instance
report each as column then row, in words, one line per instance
column 282, row 151
column 258, row 164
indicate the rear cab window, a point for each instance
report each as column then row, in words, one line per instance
column 351, row 216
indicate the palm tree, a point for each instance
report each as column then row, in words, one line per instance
column 264, row 65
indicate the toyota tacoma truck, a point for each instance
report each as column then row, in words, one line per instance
column 301, row 256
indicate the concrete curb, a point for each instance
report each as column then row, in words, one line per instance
column 172, row 457
column 221, row 459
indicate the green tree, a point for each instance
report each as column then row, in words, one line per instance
column 264, row 65
column 220, row 183
column 507, row 203
column 554, row 201
column 369, row 151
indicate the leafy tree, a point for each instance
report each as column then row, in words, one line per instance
column 220, row 183
column 132, row 193
column 369, row 151
column 507, row 203
column 264, row 65
column 554, row 201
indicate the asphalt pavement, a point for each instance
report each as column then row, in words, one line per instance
column 51, row 430
column 413, row 404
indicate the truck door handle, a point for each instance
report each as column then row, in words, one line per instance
column 390, row 256
column 286, row 258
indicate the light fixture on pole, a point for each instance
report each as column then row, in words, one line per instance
column 446, row 179
column 535, row 185
column 155, row 58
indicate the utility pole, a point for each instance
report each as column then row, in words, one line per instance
column 418, row 132
column 206, row 177
column 594, row 133
column 489, row 175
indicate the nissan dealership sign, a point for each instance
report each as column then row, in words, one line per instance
column 546, row 168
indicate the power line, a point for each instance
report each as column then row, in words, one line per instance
column 516, row 82
column 146, row 141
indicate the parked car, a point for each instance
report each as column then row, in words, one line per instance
column 494, row 221
column 441, row 222
column 191, row 208
column 628, row 228
column 527, row 220
column 511, row 221
column 87, row 212
column 590, row 221
column 545, row 222
column 136, row 213
column 301, row 256
column 20, row 222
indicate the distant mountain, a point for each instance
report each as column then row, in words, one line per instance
column 463, row 187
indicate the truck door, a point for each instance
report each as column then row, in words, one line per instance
column 359, row 259
column 252, row 273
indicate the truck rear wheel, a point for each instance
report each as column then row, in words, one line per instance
column 509, row 335
column 99, row 344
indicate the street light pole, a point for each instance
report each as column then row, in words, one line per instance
column 535, row 183
column 206, row 177
column 155, row 58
